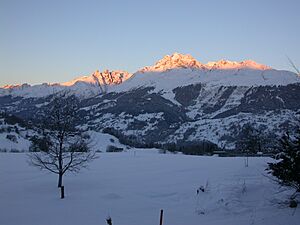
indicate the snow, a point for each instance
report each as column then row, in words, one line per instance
column 170, row 79
column 100, row 141
column 21, row 144
column 225, row 64
column 218, row 130
column 178, row 60
column 174, row 61
column 28, row 91
column 148, row 116
column 133, row 186
column 105, row 77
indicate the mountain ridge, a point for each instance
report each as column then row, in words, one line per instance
column 170, row 72
column 174, row 61
column 177, row 60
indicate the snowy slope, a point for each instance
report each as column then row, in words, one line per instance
column 16, row 138
column 20, row 145
column 13, row 137
column 100, row 142
column 133, row 188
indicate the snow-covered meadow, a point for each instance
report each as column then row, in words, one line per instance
column 133, row 186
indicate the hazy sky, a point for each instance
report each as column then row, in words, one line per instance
column 58, row 40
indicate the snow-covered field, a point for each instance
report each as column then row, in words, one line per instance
column 133, row 186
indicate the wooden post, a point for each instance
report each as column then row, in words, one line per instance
column 62, row 192
column 161, row 217
column 109, row 220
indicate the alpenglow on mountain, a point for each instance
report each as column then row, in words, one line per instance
column 94, row 84
column 179, row 100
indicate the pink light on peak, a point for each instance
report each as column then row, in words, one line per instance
column 228, row 65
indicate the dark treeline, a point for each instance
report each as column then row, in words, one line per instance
column 202, row 147
column 13, row 119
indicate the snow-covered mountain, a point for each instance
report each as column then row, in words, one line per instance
column 85, row 86
column 170, row 72
column 174, row 61
column 177, row 100
column 181, row 70
column 101, row 78
column 178, row 60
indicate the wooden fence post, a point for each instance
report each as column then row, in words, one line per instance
column 161, row 217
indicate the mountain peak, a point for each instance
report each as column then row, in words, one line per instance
column 15, row 86
column 226, row 64
column 254, row 65
column 176, row 60
column 106, row 77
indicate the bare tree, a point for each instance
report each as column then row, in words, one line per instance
column 62, row 147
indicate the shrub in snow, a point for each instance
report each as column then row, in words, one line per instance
column 109, row 220
column 200, row 189
column 17, row 130
column 12, row 138
column 3, row 150
column 162, row 151
column 293, row 203
column 203, row 188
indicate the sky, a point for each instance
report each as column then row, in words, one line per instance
column 57, row 40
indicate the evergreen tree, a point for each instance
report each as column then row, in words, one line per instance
column 287, row 167
column 251, row 140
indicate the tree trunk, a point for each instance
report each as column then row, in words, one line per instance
column 62, row 192
column 60, row 177
column 60, row 163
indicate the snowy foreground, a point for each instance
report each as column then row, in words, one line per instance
column 132, row 187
